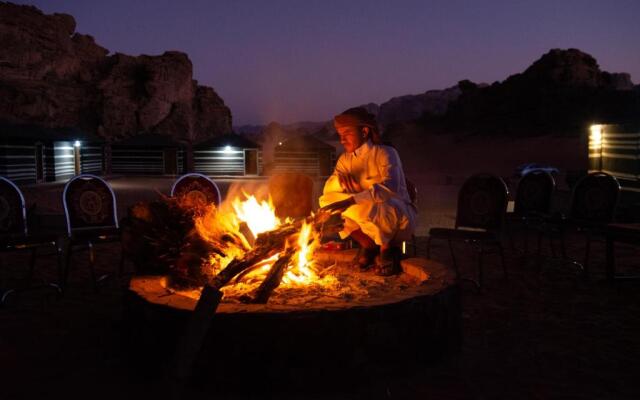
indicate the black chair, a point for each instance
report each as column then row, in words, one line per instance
column 91, row 213
column 531, row 205
column 413, row 196
column 15, row 234
column 197, row 189
column 482, row 205
column 593, row 204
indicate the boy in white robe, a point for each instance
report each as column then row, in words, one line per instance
column 368, row 184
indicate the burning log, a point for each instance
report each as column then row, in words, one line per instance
column 273, row 279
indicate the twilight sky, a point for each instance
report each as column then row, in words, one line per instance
column 290, row 61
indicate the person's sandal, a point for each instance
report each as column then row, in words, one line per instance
column 388, row 263
column 366, row 258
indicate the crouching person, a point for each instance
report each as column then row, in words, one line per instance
column 369, row 187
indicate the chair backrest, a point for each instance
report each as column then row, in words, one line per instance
column 594, row 198
column 89, row 203
column 534, row 193
column 413, row 191
column 13, row 213
column 482, row 203
column 197, row 189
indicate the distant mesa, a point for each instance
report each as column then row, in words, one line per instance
column 561, row 93
column 52, row 76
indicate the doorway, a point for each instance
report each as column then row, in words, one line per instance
column 251, row 162
column 76, row 158
column 170, row 162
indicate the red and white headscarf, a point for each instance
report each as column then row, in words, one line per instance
column 359, row 117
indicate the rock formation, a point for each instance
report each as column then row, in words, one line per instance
column 411, row 107
column 562, row 92
column 52, row 76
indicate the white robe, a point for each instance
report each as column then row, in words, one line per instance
column 383, row 209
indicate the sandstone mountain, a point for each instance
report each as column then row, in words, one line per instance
column 562, row 92
column 52, row 76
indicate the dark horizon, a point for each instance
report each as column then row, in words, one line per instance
column 288, row 62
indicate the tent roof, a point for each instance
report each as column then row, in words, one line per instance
column 149, row 139
column 304, row 143
column 229, row 139
column 35, row 132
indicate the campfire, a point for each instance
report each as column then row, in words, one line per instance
column 243, row 248
column 270, row 277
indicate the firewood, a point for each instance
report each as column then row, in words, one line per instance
column 273, row 279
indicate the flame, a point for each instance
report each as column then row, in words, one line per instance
column 301, row 272
column 259, row 216
column 222, row 228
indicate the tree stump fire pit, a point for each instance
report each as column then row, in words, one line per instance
column 377, row 326
column 240, row 294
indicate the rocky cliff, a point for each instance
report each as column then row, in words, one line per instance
column 52, row 76
column 562, row 92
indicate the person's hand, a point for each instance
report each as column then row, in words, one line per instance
column 349, row 184
column 341, row 205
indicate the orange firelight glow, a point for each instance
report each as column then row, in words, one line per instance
column 222, row 228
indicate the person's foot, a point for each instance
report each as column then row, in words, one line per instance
column 366, row 258
column 388, row 263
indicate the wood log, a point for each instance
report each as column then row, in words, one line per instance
column 197, row 328
column 273, row 279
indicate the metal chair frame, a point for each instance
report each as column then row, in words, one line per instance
column 492, row 233
column 195, row 175
column 530, row 218
column 23, row 243
column 591, row 228
column 89, row 242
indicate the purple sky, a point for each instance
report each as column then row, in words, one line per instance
column 308, row 60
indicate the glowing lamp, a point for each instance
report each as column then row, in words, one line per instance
column 76, row 143
column 595, row 137
column 227, row 149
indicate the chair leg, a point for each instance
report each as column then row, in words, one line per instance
column 563, row 247
column 121, row 266
column 502, row 260
column 92, row 260
column 453, row 255
column 539, row 252
column 32, row 264
column 552, row 247
column 480, row 269
column 67, row 262
column 586, row 256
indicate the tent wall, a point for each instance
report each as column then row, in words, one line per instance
column 219, row 161
column 91, row 159
column 137, row 160
column 314, row 163
column 64, row 161
column 18, row 162
column 618, row 154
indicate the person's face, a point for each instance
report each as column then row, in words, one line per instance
column 352, row 137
